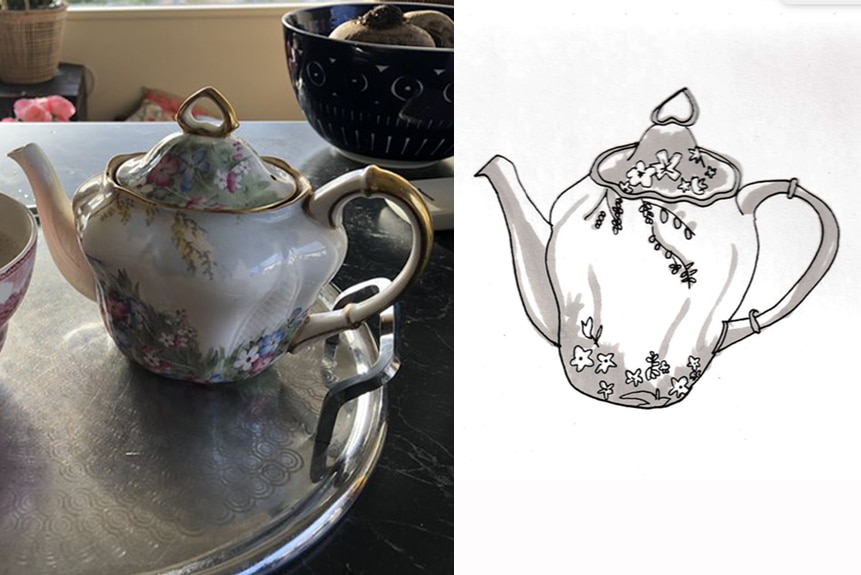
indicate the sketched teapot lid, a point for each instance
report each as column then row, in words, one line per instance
column 206, row 167
column 667, row 164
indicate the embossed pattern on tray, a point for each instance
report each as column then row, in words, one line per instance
column 109, row 469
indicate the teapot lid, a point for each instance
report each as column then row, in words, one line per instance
column 667, row 164
column 205, row 167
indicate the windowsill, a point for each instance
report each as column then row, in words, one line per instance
column 106, row 12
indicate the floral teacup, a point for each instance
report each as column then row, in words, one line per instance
column 18, row 232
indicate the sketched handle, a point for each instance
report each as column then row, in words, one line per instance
column 749, row 199
column 327, row 206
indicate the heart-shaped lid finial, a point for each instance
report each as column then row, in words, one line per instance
column 680, row 108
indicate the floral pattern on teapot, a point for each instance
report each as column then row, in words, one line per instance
column 648, row 261
column 166, row 343
column 678, row 266
column 203, row 173
column 206, row 258
column 187, row 234
column 609, row 378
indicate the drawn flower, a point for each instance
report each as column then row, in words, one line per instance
column 666, row 166
column 679, row 387
column 245, row 360
column 582, row 358
column 657, row 366
column 693, row 363
column 696, row 155
column 605, row 362
column 634, row 378
column 641, row 174
column 587, row 329
column 605, row 389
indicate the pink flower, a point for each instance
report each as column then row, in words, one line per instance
column 260, row 364
column 31, row 110
column 228, row 181
column 60, row 108
column 48, row 109
column 163, row 173
column 117, row 309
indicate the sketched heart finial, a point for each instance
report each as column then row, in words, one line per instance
column 680, row 108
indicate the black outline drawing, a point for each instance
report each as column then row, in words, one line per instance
column 664, row 193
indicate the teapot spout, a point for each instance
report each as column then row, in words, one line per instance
column 56, row 218
column 529, row 232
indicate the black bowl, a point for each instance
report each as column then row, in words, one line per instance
column 392, row 105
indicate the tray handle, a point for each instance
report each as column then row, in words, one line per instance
column 380, row 372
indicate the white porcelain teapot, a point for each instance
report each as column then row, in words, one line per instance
column 639, row 271
column 204, row 257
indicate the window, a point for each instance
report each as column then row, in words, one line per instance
column 178, row 2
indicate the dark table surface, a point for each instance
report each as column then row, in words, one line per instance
column 403, row 521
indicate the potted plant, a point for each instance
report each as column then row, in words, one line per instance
column 31, row 32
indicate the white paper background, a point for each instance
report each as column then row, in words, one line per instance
column 766, row 447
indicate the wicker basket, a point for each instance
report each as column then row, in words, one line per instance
column 30, row 43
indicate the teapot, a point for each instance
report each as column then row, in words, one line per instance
column 206, row 258
column 639, row 271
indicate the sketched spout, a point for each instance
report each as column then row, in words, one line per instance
column 529, row 231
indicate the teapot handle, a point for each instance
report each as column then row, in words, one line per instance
column 326, row 206
column 749, row 199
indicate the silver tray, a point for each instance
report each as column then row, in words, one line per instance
column 106, row 468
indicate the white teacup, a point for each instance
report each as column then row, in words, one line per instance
column 18, row 233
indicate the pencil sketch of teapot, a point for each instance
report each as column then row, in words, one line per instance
column 673, row 249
